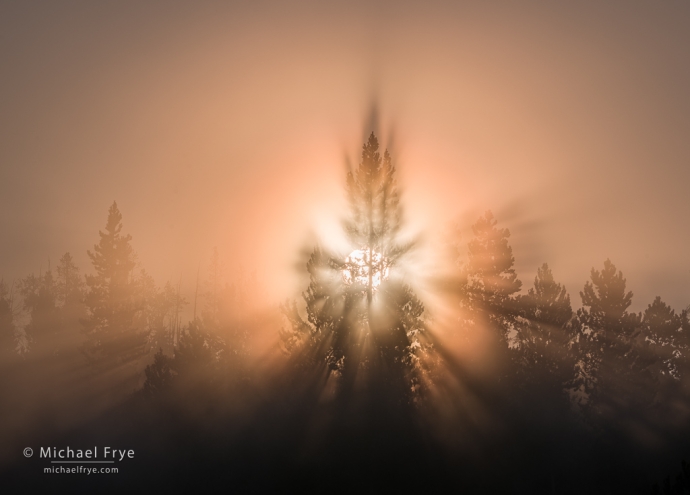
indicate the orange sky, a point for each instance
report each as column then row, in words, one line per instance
column 218, row 124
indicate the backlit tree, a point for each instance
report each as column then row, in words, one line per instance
column 491, row 287
column 111, row 297
column 361, row 319
column 605, row 346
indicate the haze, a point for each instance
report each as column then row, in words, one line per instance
column 228, row 124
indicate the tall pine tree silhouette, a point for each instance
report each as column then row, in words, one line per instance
column 605, row 346
column 488, row 298
column 363, row 323
column 492, row 284
column 111, row 296
column 662, row 355
column 544, row 340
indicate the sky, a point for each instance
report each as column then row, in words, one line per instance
column 229, row 124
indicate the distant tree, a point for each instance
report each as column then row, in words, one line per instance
column 196, row 352
column 226, row 313
column 324, row 312
column 160, row 313
column 492, row 286
column 39, row 296
column 55, row 307
column 197, row 364
column 661, row 329
column 606, row 333
column 160, row 375
column 375, row 216
column 70, row 291
column 488, row 295
column 544, row 339
column 213, row 311
column 111, row 297
column 662, row 351
column 362, row 320
column 70, row 285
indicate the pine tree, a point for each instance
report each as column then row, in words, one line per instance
column 196, row 364
column 488, row 293
column 160, row 375
column 39, row 295
column 196, row 353
column 226, row 315
column 160, row 314
column 661, row 350
column 660, row 329
column 70, row 290
column 491, row 287
column 375, row 215
column 545, row 337
column 362, row 321
column 606, row 334
column 111, row 297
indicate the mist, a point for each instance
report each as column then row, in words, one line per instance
column 224, row 133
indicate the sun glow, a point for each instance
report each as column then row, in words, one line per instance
column 358, row 264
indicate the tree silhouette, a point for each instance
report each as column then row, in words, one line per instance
column 362, row 321
column 55, row 307
column 545, row 338
column 661, row 351
column 226, row 314
column 70, row 289
column 376, row 216
column 196, row 352
column 111, row 298
column 661, row 329
column 39, row 295
column 606, row 334
column 491, row 282
column 195, row 365
column 487, row 292
column 160, row 313
column 160, row 374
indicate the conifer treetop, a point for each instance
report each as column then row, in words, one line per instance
column 113, row 257
column 374, row 201
column 606, row 295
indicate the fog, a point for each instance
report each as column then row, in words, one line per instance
column 217, row 122
column 230, row 127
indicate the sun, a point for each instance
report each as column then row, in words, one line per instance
column 357, row 266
